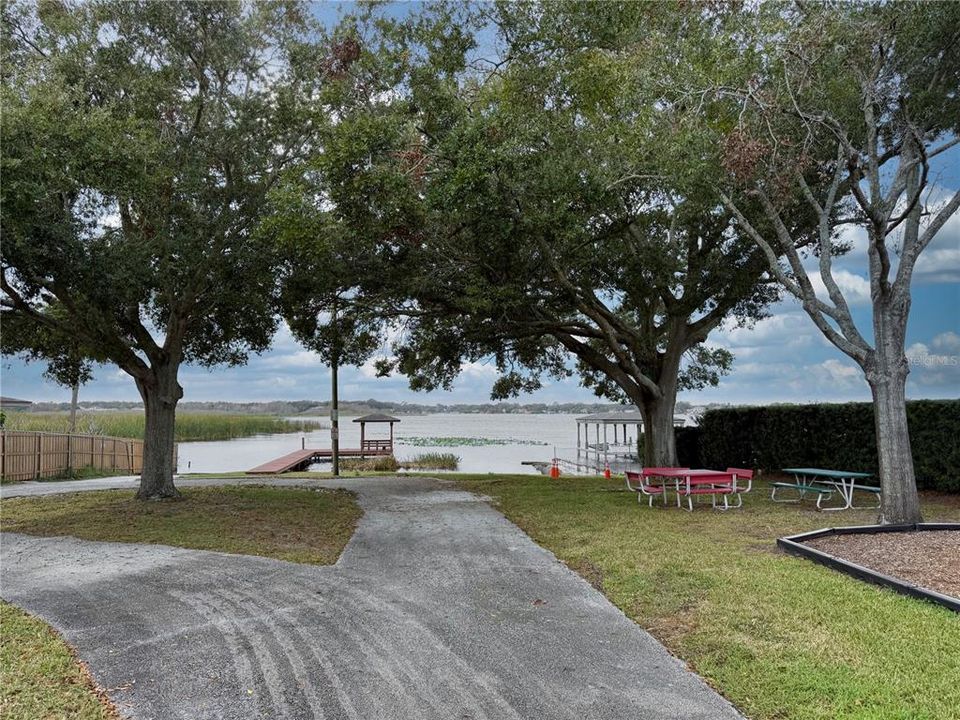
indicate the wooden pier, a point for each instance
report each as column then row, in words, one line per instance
column 302, row 459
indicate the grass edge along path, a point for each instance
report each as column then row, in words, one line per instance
column 84, row 473
column 41, row 677
column 296, row 524
column 779, row 636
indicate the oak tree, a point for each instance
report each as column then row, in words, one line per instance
column 502, row 198
column 140, row 140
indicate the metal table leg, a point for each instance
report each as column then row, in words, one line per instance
column 845, row 492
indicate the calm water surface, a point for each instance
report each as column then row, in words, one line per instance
column 532, row 438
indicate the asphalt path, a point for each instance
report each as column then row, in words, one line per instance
column 438, row 608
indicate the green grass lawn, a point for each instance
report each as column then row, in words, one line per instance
column 779, row 636
column 295, row 524
column 40, row 678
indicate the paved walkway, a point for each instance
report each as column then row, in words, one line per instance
column 438, row 608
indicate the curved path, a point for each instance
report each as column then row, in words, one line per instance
column 438, row 608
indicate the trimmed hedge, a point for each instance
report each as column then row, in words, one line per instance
column 688, row 447
column 688, row 450
column 824, row 435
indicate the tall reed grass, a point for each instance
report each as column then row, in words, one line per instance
column 380, row 463
column 431, row 461
column 388, row 463
column 190, row 426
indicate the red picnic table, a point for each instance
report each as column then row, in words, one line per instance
column 687, row 482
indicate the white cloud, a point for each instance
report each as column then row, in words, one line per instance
column 283, row 340
column 786, row 327
column 480, row 369
column 938, row 265
column 920, row 355
column 855, row 237
column 296, row 359
column 766, row 370
column 933, row 369
column 855, row 288
column 838, row 371
column 947, row 341
column 949, row 234
column 940, row 262
column 917, row 350
column 278, row 382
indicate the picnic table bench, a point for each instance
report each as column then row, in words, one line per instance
column 652, row 482
column 706, row 482
column 656, row 481
column 824, row 482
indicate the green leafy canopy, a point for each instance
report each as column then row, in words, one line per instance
column 140, row 140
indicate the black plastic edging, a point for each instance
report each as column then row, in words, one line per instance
column 794, row 544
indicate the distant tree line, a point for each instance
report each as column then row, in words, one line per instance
column 351, row 407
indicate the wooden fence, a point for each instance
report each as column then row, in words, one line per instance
column 34, row 455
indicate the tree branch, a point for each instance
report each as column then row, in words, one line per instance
column 122, row 354
column 590, row 355
column 801, row 288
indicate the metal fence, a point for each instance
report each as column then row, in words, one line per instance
column 34, row 455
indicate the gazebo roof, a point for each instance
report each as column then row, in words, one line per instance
column 629, row 417
column 377, row 418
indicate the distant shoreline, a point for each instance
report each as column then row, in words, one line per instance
column 322, row 408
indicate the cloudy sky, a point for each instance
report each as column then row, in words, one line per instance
column 782, row 359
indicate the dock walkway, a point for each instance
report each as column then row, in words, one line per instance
column 301, row 459
column 286, row 463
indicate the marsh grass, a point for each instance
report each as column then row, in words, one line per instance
column 432, row 461
column 780, row 636
column 389, row 464
column 378, row 463
column 189, row 427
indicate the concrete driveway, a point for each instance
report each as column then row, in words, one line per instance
column 438, row 608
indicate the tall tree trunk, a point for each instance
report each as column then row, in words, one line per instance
column 901, row 504
column 160, row 392
column 659, row 439
column 886, row 373
column 74, row 395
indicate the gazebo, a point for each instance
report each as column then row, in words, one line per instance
column 375, row 447
column 622, row 444
column 621, row 419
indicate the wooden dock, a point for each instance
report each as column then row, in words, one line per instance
column 302, row 459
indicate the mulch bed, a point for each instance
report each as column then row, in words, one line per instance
column 928, row 558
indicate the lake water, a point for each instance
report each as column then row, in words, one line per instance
column 517, row 438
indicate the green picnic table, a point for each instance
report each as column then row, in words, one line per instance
column 823, row 483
